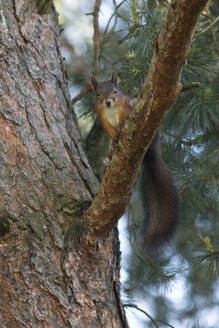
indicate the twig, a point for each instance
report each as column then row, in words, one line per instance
column 183, row 142
column 165, row 323
column 207, row 28
column 189, row 86
column 211, row 154
column 96, row 40
column 115, row 11
column 96, row 36
column 83, row 93
column 112, row 63
column 148, row 315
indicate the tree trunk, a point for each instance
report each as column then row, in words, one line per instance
column 51, row 275
column 54, row 270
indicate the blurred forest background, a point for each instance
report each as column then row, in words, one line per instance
column 182, row 287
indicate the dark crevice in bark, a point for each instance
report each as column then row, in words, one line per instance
column 42, row 147
column 80, row 172
column 119, row 306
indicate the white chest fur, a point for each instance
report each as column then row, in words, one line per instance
column 112, row 115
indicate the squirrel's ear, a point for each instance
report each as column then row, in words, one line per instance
column 114, row 79
column 93, row 83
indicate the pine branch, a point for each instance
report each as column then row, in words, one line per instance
column 160, row 91
column 192, row 175
column 114, row 14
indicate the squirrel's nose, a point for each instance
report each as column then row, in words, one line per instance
column 108, row 103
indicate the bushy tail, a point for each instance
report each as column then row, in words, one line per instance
column 160, row 198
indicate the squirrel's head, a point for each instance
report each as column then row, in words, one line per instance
column 106, row 92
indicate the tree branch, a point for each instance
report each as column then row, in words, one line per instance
column 96, row 36
column 160, row 91
column 208, row 27
column 96, row 40
column 81, row 94
column 189, row 86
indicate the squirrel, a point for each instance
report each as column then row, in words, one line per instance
column 157, row 187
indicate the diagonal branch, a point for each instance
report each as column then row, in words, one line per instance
column 160, row 91
column 208, row 27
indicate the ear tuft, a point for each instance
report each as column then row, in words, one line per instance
column 114, row 79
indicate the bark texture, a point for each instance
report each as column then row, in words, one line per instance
column 50, row 276
column 160, row 91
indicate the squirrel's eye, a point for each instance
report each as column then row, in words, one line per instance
column 97, row 94
column 115, row 92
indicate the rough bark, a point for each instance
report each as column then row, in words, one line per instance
column 160, row 91
column 50, row 275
